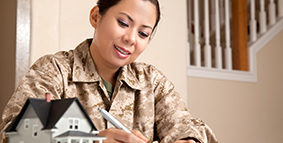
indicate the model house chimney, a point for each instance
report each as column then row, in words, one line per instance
column 47, row 97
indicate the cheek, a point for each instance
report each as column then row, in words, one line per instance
column 105, row 33
column 141, row 48
column 105, row 38
column 108, row 31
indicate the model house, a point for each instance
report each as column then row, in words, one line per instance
column 55, row 121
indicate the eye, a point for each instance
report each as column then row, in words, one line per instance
column 143, row 34
column 122, row 23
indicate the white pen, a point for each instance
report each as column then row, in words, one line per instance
column 112, row 120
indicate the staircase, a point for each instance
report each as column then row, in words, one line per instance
column 213, row 49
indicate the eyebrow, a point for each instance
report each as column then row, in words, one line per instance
column 133, row 20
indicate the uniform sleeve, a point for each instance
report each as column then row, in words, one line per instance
column 44, row 76
column 173, row 121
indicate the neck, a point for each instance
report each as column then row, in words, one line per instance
column 107, row 72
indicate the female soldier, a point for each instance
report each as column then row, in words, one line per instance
column 101, row 72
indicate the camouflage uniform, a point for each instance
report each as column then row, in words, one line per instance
column 143, row 99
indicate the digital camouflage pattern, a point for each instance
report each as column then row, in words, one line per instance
column 143, row 99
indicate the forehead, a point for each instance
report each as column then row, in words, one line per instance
column 139, row 10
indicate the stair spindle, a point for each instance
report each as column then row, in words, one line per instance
column 197, row 51
column 252, row 24
column 271, row 8
column 280, row 8
column 190, row 43
column 218, row 51
column 262, row 18
column 228, row 50
column 207, row 47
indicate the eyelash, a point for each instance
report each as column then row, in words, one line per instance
column 143, row 34
column 124, row 24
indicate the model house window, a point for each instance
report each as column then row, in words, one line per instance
column 73, row 123
column 26, row 123
column 35, row 131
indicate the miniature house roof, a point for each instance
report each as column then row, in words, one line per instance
column 48, row 113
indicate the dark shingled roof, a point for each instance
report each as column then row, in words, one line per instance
column 48, row 113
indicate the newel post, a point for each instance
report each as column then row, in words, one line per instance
column 240, row 35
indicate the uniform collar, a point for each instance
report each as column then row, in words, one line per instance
column 128, row 74
column 83, row 68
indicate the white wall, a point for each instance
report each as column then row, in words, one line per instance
column 63, row 24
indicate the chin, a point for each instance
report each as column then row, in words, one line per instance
column 121, row 63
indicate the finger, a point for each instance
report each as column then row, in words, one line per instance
column 131, row 138
column 117, row 135
column 110, row 136
column 139, row 135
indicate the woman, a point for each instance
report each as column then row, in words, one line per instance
column 101, row 72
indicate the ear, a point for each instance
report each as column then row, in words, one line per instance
column 94, row 16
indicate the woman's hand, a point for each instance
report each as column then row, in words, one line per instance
column 185, row 141
column 120, row 136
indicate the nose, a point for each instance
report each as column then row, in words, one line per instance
column 130, row 36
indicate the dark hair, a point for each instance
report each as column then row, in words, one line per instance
column 104, row 5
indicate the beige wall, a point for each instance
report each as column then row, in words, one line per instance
column 240, row 111
column 62, row 25
column 7, row 50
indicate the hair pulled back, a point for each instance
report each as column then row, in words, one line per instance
column 104, row 5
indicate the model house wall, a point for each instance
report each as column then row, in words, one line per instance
column 29, row 129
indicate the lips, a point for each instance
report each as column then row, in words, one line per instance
column 122, row 50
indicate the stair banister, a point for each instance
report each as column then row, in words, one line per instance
column 248, row 36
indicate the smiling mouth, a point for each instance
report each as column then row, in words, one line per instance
column 121, row 51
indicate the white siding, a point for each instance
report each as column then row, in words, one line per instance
column 29, row 113
column 72, row 112
column 26, row 135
